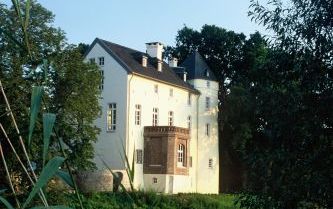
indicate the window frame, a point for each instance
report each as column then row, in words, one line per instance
column 189, row 122
column 101, row 87
column 210, row 163
column 171, row 92
column 170, row 118
column 139, row 156
column 189, row 99
column 155, row 180
column 111, row 117
column 137, row 115
column 155, row 117
column 207, row 131
column 156, row 88
column 207, row 103
column 181, row 155
column 101, row 61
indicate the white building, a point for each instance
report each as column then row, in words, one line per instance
column 163, row 115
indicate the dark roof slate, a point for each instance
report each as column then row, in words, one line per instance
column 131, row 60
column 197, row 68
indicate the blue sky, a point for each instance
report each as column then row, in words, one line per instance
column 133, row 23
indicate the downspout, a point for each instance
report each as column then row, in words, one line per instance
column 128, row 121
column 197, row 168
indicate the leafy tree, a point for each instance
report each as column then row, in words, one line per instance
column 233, row 58
column 75, row 95
column 66, row 73
column 290, row 153
column 15, row 63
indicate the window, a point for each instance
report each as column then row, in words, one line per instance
column 189, row 122
column 111, row 117
column 155, row 116
column 171, row 92
column 101, row 87
column 156, row 88
column 139, row 156
column 207, row 103
column 189, row 98
column 155, row 180
column 210, row 163
column 208, row 84
column 92, row 60
column 137, row 114
column 181, row 155
column 144, row 61
column 101, row 61
column 190, row 161
column 170, row 118
column 207, row 129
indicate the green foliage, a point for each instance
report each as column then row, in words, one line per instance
column 52, row 207
column 129, row 167
column 234, row 60
column 36, row 100
column 6, row 203
column 48, row 123
column 289, row 154
column 64, row 176
column 48, row 172
column 146, row 200
column 29, row 40
column 75, row 100
column 63, row 75
column 221, row 48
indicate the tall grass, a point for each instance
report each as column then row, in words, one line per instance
column 49, row 167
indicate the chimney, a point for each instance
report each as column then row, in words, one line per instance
column 173, row 62
column 159, row 65
column 144, row 61
column 155, row 49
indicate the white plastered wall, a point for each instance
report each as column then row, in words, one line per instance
column 207, row 178
column 142, row 92
column 109, row 144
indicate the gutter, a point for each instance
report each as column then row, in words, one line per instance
column 128, row 109
column 197, row 160
column 194, row 91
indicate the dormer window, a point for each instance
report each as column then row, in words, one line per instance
column 159, row 65
column 144, row 61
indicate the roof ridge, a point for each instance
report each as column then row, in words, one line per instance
column 125, row 47
column 128, row 59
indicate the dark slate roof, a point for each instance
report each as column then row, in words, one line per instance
column 197, row 68
column 131, row 60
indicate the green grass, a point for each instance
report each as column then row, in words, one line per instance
column 150, row 200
